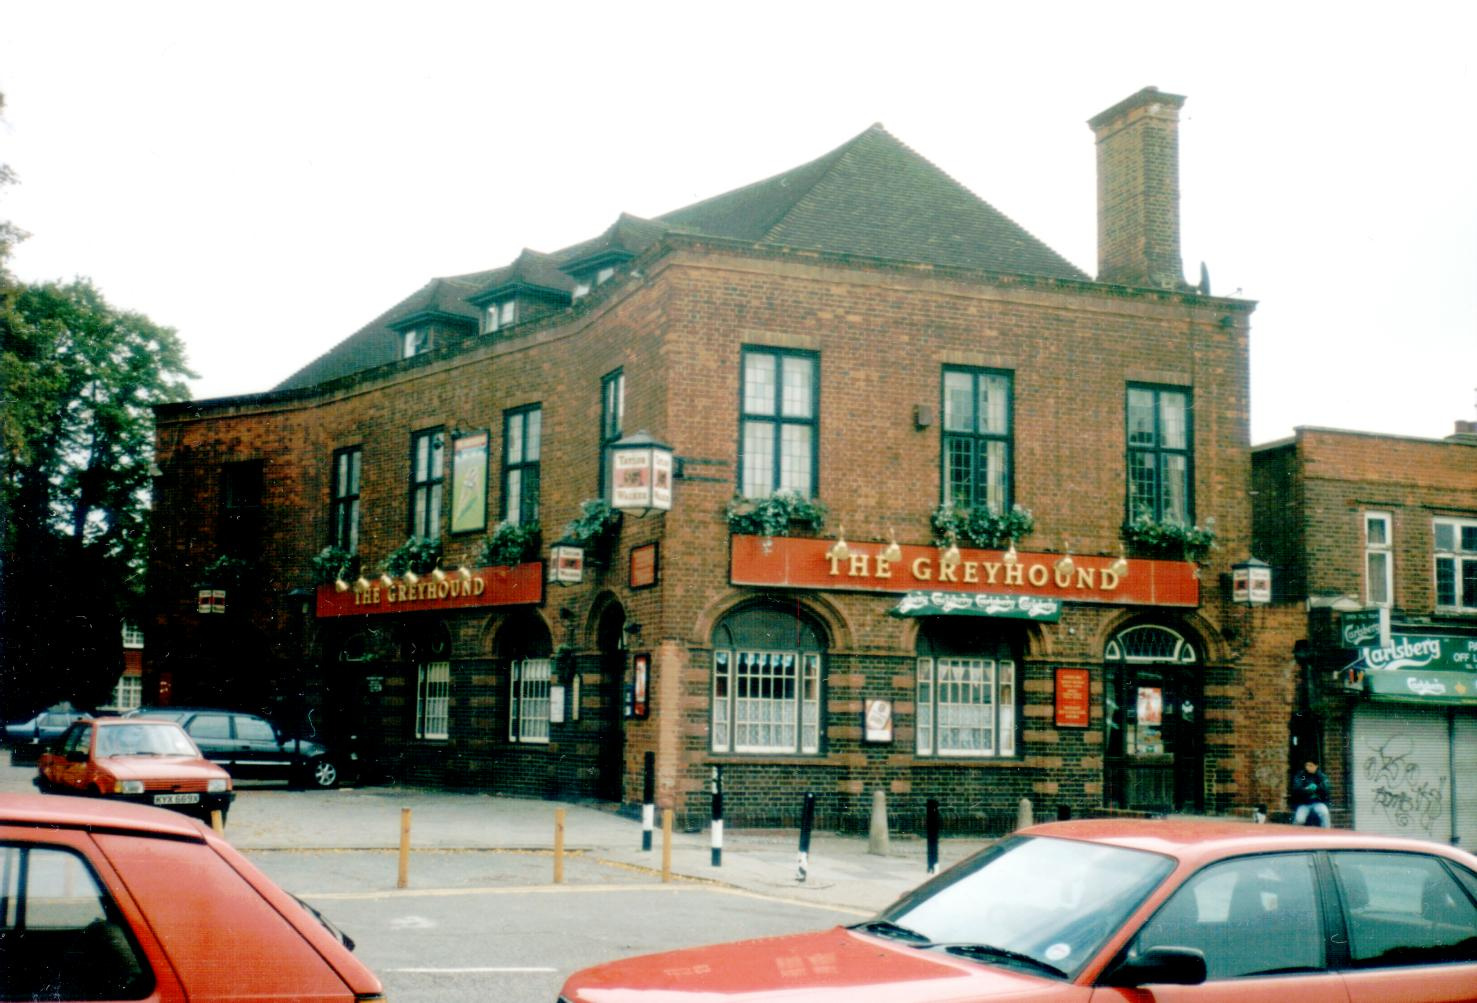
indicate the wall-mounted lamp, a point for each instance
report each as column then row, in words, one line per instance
column 1251, row 582
column 339, row 585
column 839, row 550
column 464, row 572
column 411, row 576
column 949, row 559
column 361, row 583
column 640, row 475
column 438, row 574
column 1065, row 565
column 893, row 553
column 567, row 562
column 1119, row 567
column 1011, row 557
column 386, row 580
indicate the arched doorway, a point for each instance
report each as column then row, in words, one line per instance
column 1153, row 688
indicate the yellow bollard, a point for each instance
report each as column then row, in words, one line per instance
column 217, row 823
column 404, row 879
column 666, row 844
column 558, row 846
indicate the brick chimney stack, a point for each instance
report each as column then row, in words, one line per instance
column 1138, row 191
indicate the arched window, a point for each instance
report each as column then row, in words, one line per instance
column 1150, row 643
column 767, row 681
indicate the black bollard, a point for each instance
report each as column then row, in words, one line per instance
column 933, row 825
column 807, row 822
column 648, row 802
column 1063, row 812
column 717, row 816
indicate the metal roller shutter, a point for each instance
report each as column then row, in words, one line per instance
column 1401, row 765
column 1464, row 766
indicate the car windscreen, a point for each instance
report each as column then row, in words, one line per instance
column 1048, row 903
column 144, row 739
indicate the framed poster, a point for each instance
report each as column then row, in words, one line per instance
column 877, row 721
column 1072, row 694
column 640, row 680
column 644, row 566
column 469, row 482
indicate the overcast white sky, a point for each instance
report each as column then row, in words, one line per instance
column 267, row 177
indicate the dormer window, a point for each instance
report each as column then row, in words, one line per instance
column 414, row 342
column 499, row 315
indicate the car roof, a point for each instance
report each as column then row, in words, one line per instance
column 50, row 811
column 1198, row 840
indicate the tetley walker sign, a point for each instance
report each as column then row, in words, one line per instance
column 1422, row 667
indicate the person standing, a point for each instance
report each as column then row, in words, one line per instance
column 1309, row 796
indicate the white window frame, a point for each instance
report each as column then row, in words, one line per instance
column 133, row 637
column 747, row 720
column 1379, row 558
column 128, row 694
column 1454, row 543
column 415, row 341
column 959, row 696
column 433, row 701
column 528, row 719
column 499, row 314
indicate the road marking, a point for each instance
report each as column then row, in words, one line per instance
column 470, row 971
column 675, row 889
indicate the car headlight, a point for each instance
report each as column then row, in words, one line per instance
column 128, row 787
column 217, row 786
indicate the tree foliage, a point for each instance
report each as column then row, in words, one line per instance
column 78, row 378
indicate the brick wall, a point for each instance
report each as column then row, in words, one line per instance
column 883, row 335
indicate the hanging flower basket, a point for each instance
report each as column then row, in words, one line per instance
column 784, row 513
column 1170, row 540
column 419, row 554
column 980, row 527
column 596, row 530
column 334, row 564
column 511, row 543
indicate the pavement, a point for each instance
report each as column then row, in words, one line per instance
column 842, row 872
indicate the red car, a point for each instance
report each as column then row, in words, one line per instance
column 1120, row 911
column 148, row 762
column 119, row 902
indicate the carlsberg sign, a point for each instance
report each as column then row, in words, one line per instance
column 1419, row 652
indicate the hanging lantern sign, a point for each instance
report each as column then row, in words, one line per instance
column 566, row 563
column 640, row 475
column 1251, row 582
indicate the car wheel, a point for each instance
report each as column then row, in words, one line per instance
column 323, row 772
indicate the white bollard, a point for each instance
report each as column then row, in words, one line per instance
column 877, row 839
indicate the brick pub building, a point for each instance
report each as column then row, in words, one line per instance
column 971, row 618
column 1375, row 536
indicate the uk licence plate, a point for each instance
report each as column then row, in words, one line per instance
column 176, row 798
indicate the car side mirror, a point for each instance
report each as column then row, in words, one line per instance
column 1169, row 966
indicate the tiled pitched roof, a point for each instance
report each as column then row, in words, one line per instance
column 873, row 196
column 530, row 270
column 876, row 197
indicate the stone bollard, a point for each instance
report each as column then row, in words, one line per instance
column 1023, row 816
column 877, row 841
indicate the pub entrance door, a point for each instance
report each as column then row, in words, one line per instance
column 1153, row 694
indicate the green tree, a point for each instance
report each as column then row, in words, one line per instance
column 78, row 379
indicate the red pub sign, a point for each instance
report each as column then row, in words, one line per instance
column 492, row 586
column 794, row 562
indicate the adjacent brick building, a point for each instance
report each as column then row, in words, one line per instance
column 1376, row 537
column 861, row 332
